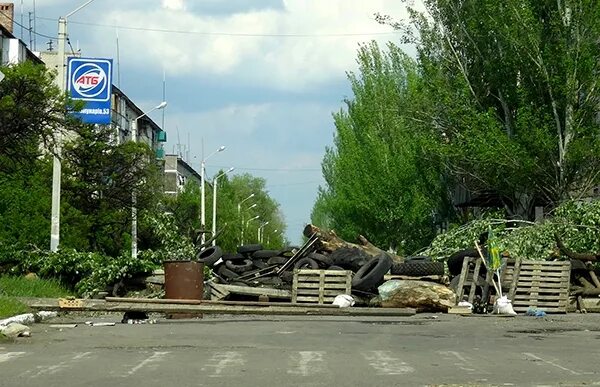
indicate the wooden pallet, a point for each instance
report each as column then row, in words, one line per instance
column 320, row 286
column 472, row 268
column 467, row 283
column 542, row 285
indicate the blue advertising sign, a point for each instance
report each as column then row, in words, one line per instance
column 90, row 80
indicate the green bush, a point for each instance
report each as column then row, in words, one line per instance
column 576, row 222
column 84, row 272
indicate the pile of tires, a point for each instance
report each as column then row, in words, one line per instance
column 240, row 267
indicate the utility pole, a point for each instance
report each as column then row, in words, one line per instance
column 56, row 164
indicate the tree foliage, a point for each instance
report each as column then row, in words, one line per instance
column 514, row 90
column 235, row 217
column 383, row 176
column 32, row 113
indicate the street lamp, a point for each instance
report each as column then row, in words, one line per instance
column 269, row 237
column 134, row 126
column 239, row 207
column 202, row 201
column 259, row 232
column 242, row 234
column 56, row 165
column 251, row 219
column 214, row 219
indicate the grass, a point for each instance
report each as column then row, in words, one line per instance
column 11, row 307
column 11, row 287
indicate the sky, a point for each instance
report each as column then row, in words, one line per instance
column 261, row 77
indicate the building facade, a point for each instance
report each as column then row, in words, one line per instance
column 178, row 173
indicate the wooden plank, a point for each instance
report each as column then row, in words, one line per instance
column 557, row 297
column 103, row 306
column 461, row 280
column 548, row 264
column 340, row 273
column 154, row 300
column 474, row 282
column 513, row 285
column 549, row 276
column 295, row 288
column 251, row 291
column 317, row 292
column 204, row 302
column 321, row 286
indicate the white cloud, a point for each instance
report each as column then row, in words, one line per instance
column 175, row 5
column 276, row 61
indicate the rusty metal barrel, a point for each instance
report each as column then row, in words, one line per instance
column 184, row 280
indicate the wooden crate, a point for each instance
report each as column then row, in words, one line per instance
column 320, row 286
column 542, row 285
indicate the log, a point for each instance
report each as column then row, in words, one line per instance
column 329, row 241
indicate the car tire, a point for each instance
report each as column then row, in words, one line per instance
column 277, row 260
column 417, row 268
column 233, row 257
column 265, row 254
column 239, row 267
column 249, row 249
column 210, row 255
column 306, row 263
column 322, row 259
column 370, row 275
column 226, row 273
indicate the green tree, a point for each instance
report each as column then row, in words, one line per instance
column 514, row 92
column 382, row 176
column 97, row 189
column 32, row 113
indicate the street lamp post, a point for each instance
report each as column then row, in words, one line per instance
column 251, row 219
column 56, row 163
column 269, row 237
column 134, row 131
column 259, row 231
column 202, row 197
column 239, row 208
column 242, row 234
column 214, row 214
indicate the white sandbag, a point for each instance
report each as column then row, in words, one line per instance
column 343, row 301
column 504, row 306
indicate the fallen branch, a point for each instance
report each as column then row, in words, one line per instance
column 329, row 241
column 586, row 257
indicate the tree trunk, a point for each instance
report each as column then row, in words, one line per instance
column 328, row 241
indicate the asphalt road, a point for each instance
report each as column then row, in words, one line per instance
column 280, row 351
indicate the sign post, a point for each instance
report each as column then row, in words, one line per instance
column 90, row 80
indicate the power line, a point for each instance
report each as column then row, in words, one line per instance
column 33, row 32
column 233, row 34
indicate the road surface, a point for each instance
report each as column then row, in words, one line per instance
column 309, row 351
